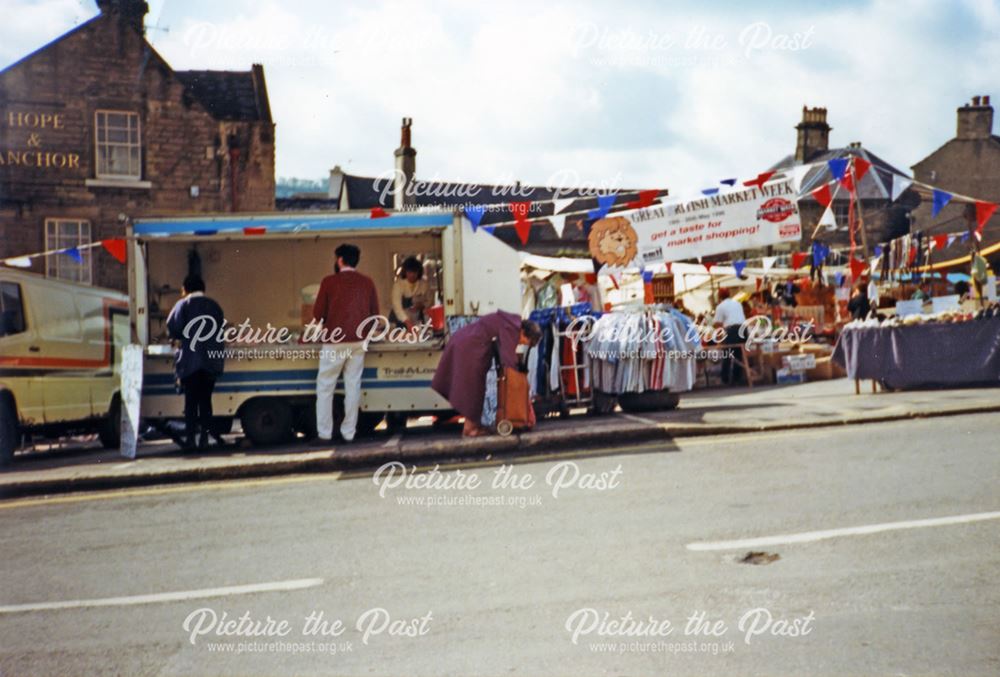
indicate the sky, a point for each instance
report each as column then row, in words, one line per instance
column 626, row 94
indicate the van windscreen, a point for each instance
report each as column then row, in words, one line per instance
column 11, row 309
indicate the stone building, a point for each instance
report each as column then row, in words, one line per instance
column 96, row 128
column 968, row 164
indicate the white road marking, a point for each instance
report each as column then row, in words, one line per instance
column 810, row 536
column 297, row 584
column 639, row 419
column 122, row 465
column 393, row 441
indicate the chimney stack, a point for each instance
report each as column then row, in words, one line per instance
column 336, row 185
column 813, row 134
column 129, row 12
column 975, row 121
column 406, row 167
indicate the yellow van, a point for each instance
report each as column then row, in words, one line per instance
column 60, row 348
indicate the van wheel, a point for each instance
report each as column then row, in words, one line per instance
column 110, row 429
column 267, row 421
column 9, row 436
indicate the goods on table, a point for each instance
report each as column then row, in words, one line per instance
column 927, row 318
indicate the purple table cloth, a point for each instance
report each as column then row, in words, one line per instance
column 926, row 355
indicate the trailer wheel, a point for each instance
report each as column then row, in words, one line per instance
column 110, row 429
column 656, row 400
column 267, row 421
column 9, row 435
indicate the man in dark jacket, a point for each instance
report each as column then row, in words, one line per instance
column 197, row 365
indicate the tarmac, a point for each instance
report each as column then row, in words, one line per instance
column 83, row 466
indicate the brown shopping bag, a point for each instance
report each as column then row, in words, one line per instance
column 514, row 410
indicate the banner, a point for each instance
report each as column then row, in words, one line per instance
column 747, row 218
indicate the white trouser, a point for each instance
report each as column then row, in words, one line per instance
column 349, row 357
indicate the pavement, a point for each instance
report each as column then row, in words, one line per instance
column 701, row 412
column 881, row 560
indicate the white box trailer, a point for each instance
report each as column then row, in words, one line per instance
column 260, row 269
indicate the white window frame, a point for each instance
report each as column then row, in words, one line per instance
column 56, row 265
column 128, row 144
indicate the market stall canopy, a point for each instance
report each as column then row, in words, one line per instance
column 557, row 264
column 287, row 224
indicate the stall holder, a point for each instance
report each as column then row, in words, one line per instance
column 938, row 354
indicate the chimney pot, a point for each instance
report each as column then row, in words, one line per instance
column 975, row 121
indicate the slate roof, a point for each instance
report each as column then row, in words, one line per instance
column 230, row 95
column 874, row 185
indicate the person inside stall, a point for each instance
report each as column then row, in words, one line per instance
column 729, row 315
column 409, row 295
column 461, row 374
column 923, row 292
column 859, row 306
column 963, row 290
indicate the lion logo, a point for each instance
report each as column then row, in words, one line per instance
column 613, row 241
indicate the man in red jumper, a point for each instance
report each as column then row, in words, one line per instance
column 345, row 300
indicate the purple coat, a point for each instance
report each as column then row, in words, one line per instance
column 461, row 374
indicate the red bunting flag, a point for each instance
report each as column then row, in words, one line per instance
column 940, row 241
column 823, row 196
column 521, row 224
column 520, row 210
column 798, row 258
column 254, row 230
column 523, row 229
column 115, row 247
column 708, row 266
column 857, row 268
column 861, row 167
column 670, row 267
column 379, row 213
column 984, row 210
column 645, row 199
column 847, row 182
column 760, row 180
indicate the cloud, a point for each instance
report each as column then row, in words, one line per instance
column 642, row 94
column 26, row 26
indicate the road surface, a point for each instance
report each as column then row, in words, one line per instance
column 884, row 535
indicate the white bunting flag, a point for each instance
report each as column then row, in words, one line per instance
column 899, row 184
column 951, row 240
column 798, row 174
column 561, row 204
column 558, row 222
column 768, row 262
column 18, row 262
column 828, row 220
